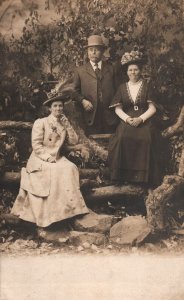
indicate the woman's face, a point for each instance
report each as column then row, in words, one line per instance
column 134, row 73
column 56, row 108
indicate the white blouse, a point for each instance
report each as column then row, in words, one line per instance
column 134, row 88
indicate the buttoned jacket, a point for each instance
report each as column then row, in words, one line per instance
column 48, row 137
column 85, row 84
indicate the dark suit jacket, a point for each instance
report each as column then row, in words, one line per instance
column 85, row 84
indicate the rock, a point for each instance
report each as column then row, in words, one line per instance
column 79, row 238
column 9, row 219
column 80, row 248
column 94, row 247
column 110, row 247
column 59, row 236
column 106, row 251
column 131, row 230
column 86, row 245
column 23, row 244
column 151, row 247
column 93, row 222
column 134, row 249
column 170, row 243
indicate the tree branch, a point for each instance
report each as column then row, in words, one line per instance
column 177, row 128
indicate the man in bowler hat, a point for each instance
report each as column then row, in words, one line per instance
column 96, row 84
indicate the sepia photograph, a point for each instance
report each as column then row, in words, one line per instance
column 91, row 150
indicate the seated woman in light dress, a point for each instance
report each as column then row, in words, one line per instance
column 49, row 188
column 133, row 149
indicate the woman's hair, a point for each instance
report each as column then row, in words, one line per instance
column 138, row 64
column 124, row 69
column 50, row 103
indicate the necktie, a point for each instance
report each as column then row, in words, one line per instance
column 99, row 77
column 97, row 72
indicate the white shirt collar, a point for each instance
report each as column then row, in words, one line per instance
column 93, row 65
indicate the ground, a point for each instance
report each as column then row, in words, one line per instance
column 33, row 269
column 29, row 245
column 100, row 277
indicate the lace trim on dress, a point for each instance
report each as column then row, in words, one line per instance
column 138, row 94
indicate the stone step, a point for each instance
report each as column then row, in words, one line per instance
column 93, row 222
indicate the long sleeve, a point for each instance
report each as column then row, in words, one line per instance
column 71, row 135
column 120, row 113
column 117, row 100
column 77, row 86
column 149, row 112
column 37, row 140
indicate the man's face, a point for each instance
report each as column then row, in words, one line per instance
column 95, row 53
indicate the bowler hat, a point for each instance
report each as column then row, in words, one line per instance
column 95, row 40
column 64, row 95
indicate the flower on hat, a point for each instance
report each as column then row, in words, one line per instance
column 52, row 93
column 134, row 55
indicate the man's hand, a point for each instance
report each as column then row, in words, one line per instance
column 136, row 122
column 87, row 105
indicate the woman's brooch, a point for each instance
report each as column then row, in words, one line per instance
column 54, row 128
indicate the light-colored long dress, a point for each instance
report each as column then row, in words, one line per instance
column 49, row 192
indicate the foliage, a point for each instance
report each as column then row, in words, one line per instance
column 154, row 26
column 8, row 146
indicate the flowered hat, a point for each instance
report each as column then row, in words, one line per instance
column 64, row 95
column 135, row 56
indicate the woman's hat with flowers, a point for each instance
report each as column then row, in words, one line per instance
column 63, row 92
column 135, row 56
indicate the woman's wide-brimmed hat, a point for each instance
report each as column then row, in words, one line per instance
column 135, row 56
column 64, row 95
column 95, row 40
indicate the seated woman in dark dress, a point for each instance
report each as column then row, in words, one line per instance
column 133, row 149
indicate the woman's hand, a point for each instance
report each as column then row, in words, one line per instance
column 129, row 120
column 136, row 122
column 85, row 153
column 51, row 159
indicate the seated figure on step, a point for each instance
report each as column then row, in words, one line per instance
column 49, row 189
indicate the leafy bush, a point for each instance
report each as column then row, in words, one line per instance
column 154, row 26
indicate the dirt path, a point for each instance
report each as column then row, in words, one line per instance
column 110, row 277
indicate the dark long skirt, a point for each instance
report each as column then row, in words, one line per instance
column 133, row 154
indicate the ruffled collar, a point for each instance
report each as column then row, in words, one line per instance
column 54, row 119
column 137, row 83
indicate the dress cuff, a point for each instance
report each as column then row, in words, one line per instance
column 114, row 105
column 142, row 118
